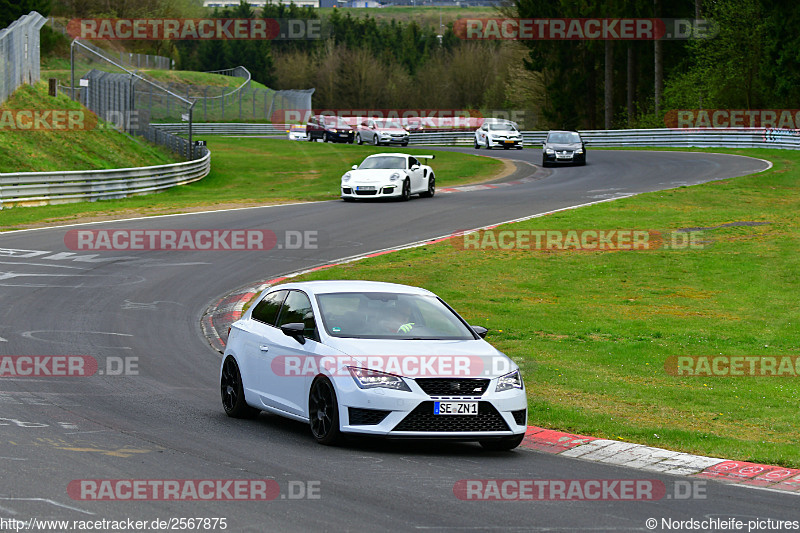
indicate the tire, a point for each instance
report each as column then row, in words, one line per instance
column 375, row 141
column 347, row 199
column 358, row 139
column 404, row 144
column 323, row 412
column 405, row 195
column 544, row 162
column 326, row 138
column 310, row 138
column 503, row 444
column 488, row 146
column 233, row 393
column 519, row 147
column 431, row 188
column 477, row 146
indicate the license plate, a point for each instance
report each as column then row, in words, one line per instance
column 509, row 142
column 564, row 156
column 343, row 134
column 455, row 408
column 365, row 188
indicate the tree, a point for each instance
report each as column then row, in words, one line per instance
column 11, row 10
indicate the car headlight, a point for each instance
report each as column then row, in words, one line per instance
column 549, row 151
column 509, row 381
column 579, row 151
column 346, row 177
column 371, row 379
column 394, row 177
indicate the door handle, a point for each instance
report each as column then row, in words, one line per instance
column 263, row 348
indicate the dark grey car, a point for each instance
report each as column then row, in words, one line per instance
column 563, row 147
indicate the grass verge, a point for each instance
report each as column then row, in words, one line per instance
column 592, row 330
column 254, row 171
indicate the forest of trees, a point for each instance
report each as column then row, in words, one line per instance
column 753, row 61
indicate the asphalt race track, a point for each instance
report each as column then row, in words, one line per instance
column 166, row 422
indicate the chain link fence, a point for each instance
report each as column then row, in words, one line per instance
column 19, row 53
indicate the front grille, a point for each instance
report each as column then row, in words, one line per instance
column 520, row 417
column 423, row 419
column 347, row 190
column 453, row 386
column 366, row 193
column 366, row 417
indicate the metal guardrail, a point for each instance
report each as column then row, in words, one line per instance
column 223, row 128
column 678, row 138
column 40, row 188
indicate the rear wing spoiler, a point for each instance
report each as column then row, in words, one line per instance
column 425, row 156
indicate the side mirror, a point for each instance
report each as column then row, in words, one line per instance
column 544, row 143
column 414, row 167
column 295, row 330
column 480, row 330
column 354, row 167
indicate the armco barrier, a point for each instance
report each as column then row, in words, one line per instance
column 678, row 138
column 40, row 188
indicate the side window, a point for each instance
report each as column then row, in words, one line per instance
column 266, row 310
column 412, row 161
column 297, row 308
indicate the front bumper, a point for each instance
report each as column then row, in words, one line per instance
column 391, row 139
column 338, row 137
column 506, row 143
column 375, row 190
column 389, row 413
column 571, row 157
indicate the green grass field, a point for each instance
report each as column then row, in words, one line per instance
column 592, row 330
column 254, row 171
column 42, row 151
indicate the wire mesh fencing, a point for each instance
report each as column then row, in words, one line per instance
column 19, row 53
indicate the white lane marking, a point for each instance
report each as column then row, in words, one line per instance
column 51, row 502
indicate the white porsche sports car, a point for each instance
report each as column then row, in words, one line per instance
column 389, row 175
column 371, row 358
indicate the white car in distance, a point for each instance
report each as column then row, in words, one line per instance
column 389, row 175
column 501, row 133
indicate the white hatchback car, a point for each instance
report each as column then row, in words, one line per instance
column 389, row 175
column 501, row 133
column 371, row 358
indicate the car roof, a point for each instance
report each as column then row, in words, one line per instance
column 562, row 131
column 388, row 153
column 338, row 286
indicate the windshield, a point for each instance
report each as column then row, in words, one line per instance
column 386, row 162
column 387, row 124
column 335, row 122
column 502, row 127
column 564, row 138
column 385, row 315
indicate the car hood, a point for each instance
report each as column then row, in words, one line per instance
column 426, row 358
column 373, row 174
column 562, row 146
column 391, row 130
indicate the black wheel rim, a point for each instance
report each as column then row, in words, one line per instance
column 230, row 384
column 406, row 189
column 432, row 186
column 321, row 409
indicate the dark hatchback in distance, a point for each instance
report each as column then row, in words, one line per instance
column 329, row 128
column 563, row 147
